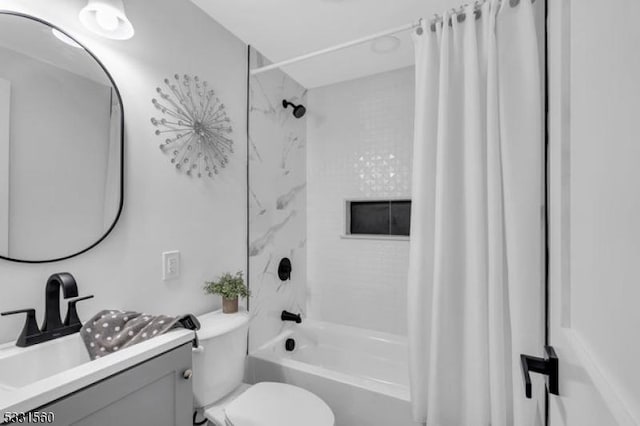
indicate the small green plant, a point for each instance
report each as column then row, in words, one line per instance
column 228, row 286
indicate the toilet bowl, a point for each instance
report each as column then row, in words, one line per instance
column 272, row 404
column 218, row 369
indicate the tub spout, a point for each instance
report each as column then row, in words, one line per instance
column 288, row 316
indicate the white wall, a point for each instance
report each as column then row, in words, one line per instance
column 360, row 136
column 277, row 200
column 58, row 158
column 164, row 210
column 5, row 119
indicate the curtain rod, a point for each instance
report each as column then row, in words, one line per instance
column 335, row 48
column 362, row 40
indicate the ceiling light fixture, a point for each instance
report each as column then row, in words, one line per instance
column 385, row 44
column 65, row 38
column 107, row 18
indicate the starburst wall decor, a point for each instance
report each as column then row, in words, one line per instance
column 195, row 125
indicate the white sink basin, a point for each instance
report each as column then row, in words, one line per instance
column 23, row 366
column 34, row 376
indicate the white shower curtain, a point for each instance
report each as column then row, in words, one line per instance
column 475, row 276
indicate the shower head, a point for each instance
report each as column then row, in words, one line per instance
column 298, row 110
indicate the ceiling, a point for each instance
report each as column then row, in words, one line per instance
column 281, row 29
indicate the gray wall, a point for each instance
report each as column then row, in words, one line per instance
column 164, row 210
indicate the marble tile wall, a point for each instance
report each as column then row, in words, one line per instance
column 277, row 200
column 360, row 136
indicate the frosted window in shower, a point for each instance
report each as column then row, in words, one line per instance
column 380, row 217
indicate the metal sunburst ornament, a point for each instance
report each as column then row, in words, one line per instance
column 196, row 126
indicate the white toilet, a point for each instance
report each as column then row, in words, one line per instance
column 218, row 369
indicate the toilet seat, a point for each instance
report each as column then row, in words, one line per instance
column 278, row 404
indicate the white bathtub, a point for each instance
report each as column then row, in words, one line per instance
column 362, row 374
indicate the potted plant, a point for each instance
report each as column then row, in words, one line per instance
column 230, row 287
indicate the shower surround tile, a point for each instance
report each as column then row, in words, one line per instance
column 277, row 200
column 360, row 139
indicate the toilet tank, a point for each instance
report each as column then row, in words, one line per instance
column 218, row 362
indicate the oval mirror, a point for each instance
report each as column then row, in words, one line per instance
column 61, row 144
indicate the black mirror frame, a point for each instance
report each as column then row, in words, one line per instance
column 117, row 91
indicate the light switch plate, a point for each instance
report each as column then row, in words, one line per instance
column 170, row 265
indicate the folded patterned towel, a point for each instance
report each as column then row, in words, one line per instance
column 111, row 330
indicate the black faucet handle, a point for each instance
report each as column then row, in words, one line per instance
column 29, row 311
column 80, row 299
column 30, row 325
column 288, row 316
column 72, row 313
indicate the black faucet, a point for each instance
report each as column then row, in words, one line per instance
column 52, row 327
column 288, row 316
column 64, row 280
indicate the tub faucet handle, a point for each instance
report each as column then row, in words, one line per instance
column 288, row 316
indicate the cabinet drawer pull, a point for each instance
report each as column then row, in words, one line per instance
column 187, row 374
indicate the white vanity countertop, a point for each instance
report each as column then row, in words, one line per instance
column 41, row 392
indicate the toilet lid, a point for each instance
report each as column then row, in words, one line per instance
column 278, row 404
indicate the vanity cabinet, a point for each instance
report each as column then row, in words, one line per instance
column 157, row 392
